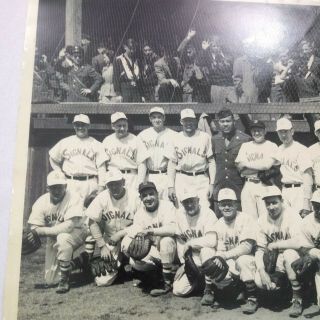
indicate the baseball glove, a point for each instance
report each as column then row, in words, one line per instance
column 139, row 246
column 101, row 267
column 266, row 176
column 270, row 258
column 90, row 198
column 30, row 242
column 305, row 265
column 215, row 268
column 192, row 271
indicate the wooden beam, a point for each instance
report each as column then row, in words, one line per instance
column 73, row 22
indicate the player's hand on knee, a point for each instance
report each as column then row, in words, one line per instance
column 210, row 191
column 266, row 281
column 172, row 194
column 105, row 253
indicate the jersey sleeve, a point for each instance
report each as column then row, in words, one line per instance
column 56, row 152
column 208, row 146
column 304, row 235
column 241, row 154
column 261, row 236
column 249, row 230
column 96, row 208
column 101, row 155
column 169, row 214
column 304, row 160
column 37, row 216
column 211, row 220
column 142, row 152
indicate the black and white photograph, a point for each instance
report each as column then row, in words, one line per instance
column 169, row 163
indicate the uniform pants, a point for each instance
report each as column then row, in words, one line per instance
column 294, row 197
column 161, row 182
column 84, row 187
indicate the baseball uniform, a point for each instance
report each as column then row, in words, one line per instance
column 46, row 214
column 314, row 152
column 125, row 154
column 256, row 156
column 159, row 147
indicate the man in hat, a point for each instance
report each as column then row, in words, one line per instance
column 58, row 216
column 158, row 141
column 254, row 157
column 126, row 152
column 296, row 168
column 193, row 166
column 226, row 146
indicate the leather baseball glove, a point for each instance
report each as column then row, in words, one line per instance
column 215, row 268
column 270, row 258
column 266, row 176
column 306, row 264
column 101, row 267
column 192, row 271
column 139, row 246
column 30, row 242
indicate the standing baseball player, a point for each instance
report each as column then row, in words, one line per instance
column 109, row 214
column 193, row 166
column 194, row 230
column 58, row 215
column 275, row 231
column 158, row 141
column 126, row 152
column 236, row 239
column 255, row 159
column 314, row 152
column 296, row 168
column 154, row 218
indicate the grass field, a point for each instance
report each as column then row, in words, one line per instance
column 122, row 301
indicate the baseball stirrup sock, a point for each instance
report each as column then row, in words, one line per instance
column 250, row 288
column 89, row 246
column 167, row 274
column 296, row 289
column 65, row 266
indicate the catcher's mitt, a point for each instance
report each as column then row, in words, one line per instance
column 305, row 265
column 101, row 267
column 270, row 258
column 139, row 246
column 192, row 271
column 215, row 268
column 30, row 242
column 266, row 176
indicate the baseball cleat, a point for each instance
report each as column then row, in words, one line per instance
column 296, row 308
column 207, row 298
column 250, row 307
column 161, row 291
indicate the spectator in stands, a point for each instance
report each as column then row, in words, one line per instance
column 127, row 75
column 98, row 61
column 169, row 73
column 149, row 77
column 194, row 87
column 252, row 75
column 284, row 87
column 216, row 65
column 81, row 82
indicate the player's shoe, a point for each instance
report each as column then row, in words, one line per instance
column 250, row 307
column 166, row 288
column 207, row 298
column 64, row 285
column 296, row 308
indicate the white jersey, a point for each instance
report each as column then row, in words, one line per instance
column 309, row 233
column 283, row 228
column 294, row 161
column 77, row 156
column 112, row 214
column 230, row 235
column 314, row 152
column 257, row 156
column 45, row 213
column 191, row 153
column 159, row 146
column 126, row 153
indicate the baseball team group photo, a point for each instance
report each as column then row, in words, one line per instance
column 173, row 162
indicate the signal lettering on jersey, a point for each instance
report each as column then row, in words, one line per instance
column 109, row 215
column 129, row 152
column 88, row 153
column 190, row 151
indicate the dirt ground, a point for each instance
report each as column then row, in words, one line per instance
column 122, row 301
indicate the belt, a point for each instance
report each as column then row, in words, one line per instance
column 129, row 171
column 80, row 178
column 157, row 171
column 253, row 180
column 191, row 173
column 291, row 185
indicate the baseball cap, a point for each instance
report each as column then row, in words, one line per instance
column 81, row 118
column 187, row 194
column 316, row 126
column 284, row 124
column 227, row 194
column 316, row 196
column 187, row 113
column 272, row 191
column 156, row 109
column 56, row 177
column 257, row 124
column 114, row 175
column 146, row 185
column 117, row 116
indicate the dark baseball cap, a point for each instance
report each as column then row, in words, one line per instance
column 257, row 124
column 147, row 185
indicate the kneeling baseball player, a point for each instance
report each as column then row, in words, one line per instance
column 109, row 214
column 275, row 232
column 155, row 220
column 57, row 215
column 236, row 238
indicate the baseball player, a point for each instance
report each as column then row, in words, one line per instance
column 58, row 215
column 274, row 232
column 314, row 152
column 194, row 229
column 193, row 165
column 158, row 141
column 296, row 168
column 236, row 238
column 154, row 217
column 254, row 157
column 109, row 214
column 126, row 152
